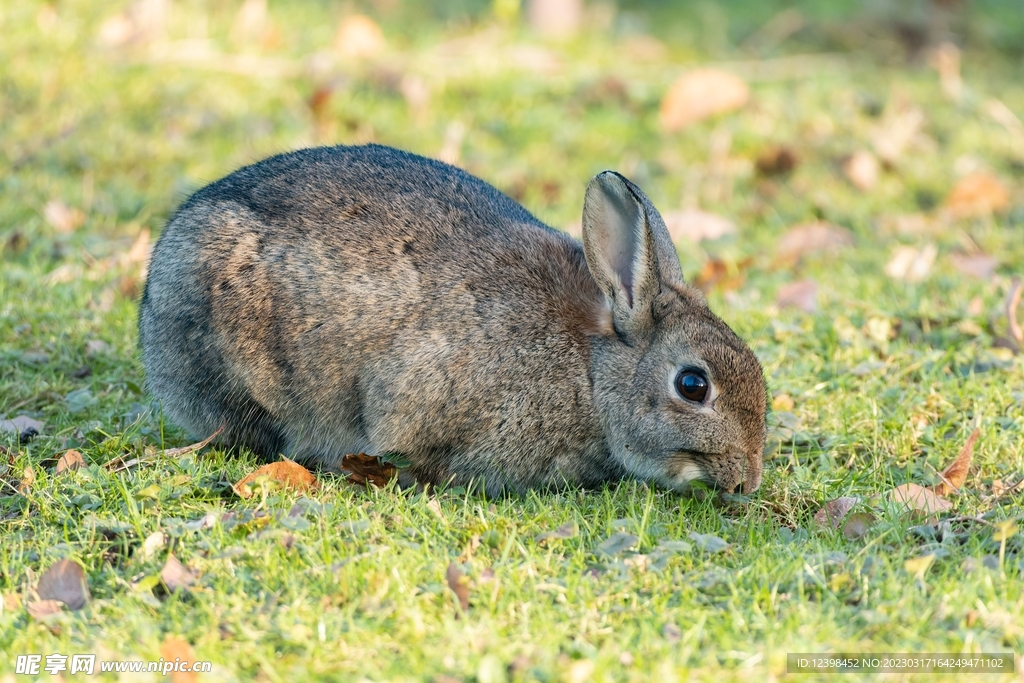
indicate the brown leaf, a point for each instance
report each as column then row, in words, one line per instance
column 185, row 450
column 63, row 218
column 40, row 609
column 724, row 275
column 918, row 498
column 28, row 477
column 291, row 475
column 555, row 18
column 809, row 238
column 834, row 512
column 955, row 474
column 802, row 294
column 360, row 468
column 978, row 194
column 70, row 461
column 358, row 36
column 695, row 225
column 861, row 169
column 699, row 94
column 776, row 161
column 1012, row 302
column 176, row 649
column 567, row 530
column 64, row 581
column 980, row 266
column 459, row 585
column 176, row 576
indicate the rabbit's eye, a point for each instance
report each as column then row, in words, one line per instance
column 692, row 386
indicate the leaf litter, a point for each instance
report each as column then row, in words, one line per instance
column 64, row 581
column 288, row 474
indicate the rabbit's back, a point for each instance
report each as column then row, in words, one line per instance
column 361, row 298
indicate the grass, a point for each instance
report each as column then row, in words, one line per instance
column 886, row 379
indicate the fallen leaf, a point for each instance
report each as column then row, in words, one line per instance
column 776, row 161
column 1012, row 302
column 893, row 136
column 910, row 264
column 360, row 469
column 28, row 477
column 978, row 194
column 154, row 542
column 695, row 225
column 185, row 450
column 40, row 609
column 980, row 266
column 861, row 169
column 857, row 525
column 802, row 294
column 359, row 36
column 699, row 94
column 177, row 650
column 63, row 218
column 709, row 542
column 459, row 585
column 835, row 511
column 290, row 475
column 919, row 565
column 810, row 238
column 567, row 530
column 70, row 461
column 616, row 544
column 955, row 474
column 946, row 60
column 918, row 498
column 64, row 581
column 555, row 18
column 176, row 576
column 719, row 274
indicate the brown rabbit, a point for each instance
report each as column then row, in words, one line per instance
column 362, row 299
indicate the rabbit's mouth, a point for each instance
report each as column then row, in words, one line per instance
column 718, row 470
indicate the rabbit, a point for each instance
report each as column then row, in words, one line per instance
column 356, row 299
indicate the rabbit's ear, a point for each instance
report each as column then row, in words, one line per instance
column 628, row 249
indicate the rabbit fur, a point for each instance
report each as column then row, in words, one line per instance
column 362, row 299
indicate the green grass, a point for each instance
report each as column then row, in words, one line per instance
column 352, row 586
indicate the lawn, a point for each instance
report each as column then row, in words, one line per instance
column 872, row 188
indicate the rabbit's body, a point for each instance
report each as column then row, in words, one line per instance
column 361, row 299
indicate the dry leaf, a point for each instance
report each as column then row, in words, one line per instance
column 290, row 475
column 719, row 274
column 154, row 542
column 185, row 450
column 699, row 94
column 555, row 18
column 861, row 169
column 857, row 525
column 1012, row 302
column 459, row 585
column 40, row 609
column 834, row 512
column 980, row 266
column 567, row 530
column 918, row 498
column 776, row 161
column 946, row 60
column 28, row 477
column 809, row 238
column 64, row 581
column 176, row 576
column 175, row 649
column 782, row 403
column 63, row 218
column 359, row 36
column 910, row 264
column 978, row 194
column 954, row 476
column 695, row 225
column 72, row 460
column 894, row 135
column 802, row 294
column 360, row 468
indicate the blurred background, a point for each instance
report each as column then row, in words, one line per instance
column 805, row 155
